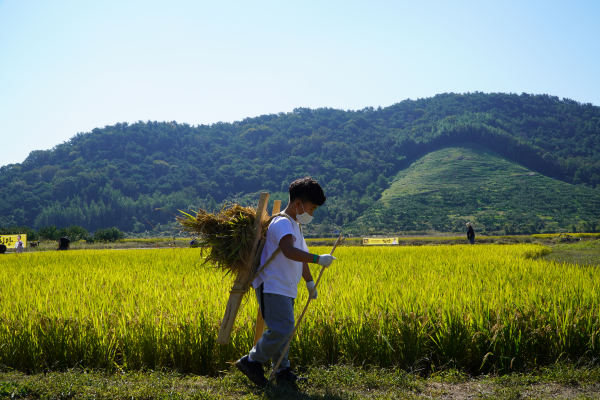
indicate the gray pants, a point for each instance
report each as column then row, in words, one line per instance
column 278, row 312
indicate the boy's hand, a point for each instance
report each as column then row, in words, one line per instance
column 310, row 285
column 325, row 260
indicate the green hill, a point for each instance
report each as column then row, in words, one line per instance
column 444, row 189
column 120, row 174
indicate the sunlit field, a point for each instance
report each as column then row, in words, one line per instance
column 478, row 309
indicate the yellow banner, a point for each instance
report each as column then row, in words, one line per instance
column 10, row 240
column 380, row 240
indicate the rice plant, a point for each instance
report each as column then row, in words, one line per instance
column 478, row 309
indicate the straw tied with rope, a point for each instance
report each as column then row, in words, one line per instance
column 224, row 239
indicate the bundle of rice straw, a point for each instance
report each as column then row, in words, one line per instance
column 226, row 238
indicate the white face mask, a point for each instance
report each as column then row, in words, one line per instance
column 303, row 218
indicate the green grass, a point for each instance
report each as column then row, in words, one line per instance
column 155, row 240
column 584, row 253
column 457, row 167
column 153, row 243
column 543, row 239
column 335, row 383
column 413, row 240
column 444, row 189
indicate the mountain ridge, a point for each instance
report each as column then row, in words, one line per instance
column 118, row 175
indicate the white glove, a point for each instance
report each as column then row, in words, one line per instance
column 325, row 260
column 310, row 285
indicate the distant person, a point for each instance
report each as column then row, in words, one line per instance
column 19, row 245
column 64, row 243
column 470, row 233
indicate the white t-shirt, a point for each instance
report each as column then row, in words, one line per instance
column 282, row 275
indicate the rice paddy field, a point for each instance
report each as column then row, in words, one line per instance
column 477, row 309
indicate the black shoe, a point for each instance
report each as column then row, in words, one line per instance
column 288, row 376
column 253, row 370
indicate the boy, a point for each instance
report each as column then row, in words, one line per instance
column 277, row 285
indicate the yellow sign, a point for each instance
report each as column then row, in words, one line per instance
column 10, row 240
column 380, row 240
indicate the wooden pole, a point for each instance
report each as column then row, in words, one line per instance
column 310, row 295
column 260, row 322
column 236, row 294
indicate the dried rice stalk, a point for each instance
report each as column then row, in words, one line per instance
column 226, row 238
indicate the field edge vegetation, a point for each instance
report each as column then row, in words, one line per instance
column 332, row 383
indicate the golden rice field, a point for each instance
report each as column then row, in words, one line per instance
column 484, row 308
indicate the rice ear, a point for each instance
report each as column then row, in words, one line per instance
column 226, row 237
column 186, row 214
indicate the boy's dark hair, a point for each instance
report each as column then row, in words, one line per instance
column 307, row 189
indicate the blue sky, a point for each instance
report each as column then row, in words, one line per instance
column 70, row 66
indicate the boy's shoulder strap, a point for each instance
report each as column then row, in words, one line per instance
column 282, row 214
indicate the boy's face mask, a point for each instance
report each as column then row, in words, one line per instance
column 303, row 218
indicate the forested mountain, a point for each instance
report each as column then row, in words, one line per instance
column 118, row 175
